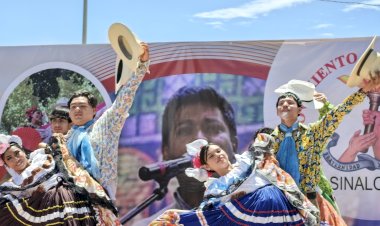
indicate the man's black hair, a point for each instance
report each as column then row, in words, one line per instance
column 84, row 93
column 292, row 95
column 60, row 112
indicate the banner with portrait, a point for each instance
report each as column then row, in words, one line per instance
column 243, row 73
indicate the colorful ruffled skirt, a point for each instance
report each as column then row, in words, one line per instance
column 57, row 206
column 265, row 206
column 67, row 195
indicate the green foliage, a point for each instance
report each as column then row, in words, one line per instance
column 19, row 100
column 42, row 89
column 76, row 82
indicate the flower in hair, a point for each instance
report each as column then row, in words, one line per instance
column 30, row 111
column 3, row 148
column 193, row 149
column 197, row 161
column 5, row 141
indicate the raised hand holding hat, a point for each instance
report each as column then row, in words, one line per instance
column 366, row 72
column 128, row 49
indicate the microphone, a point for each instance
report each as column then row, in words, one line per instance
column 165, row 169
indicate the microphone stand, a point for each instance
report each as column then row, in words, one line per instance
column 158, row 194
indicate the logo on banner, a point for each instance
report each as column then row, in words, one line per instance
column 354, row 176
column 364, row 161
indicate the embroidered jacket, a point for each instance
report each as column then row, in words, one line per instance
column 312, row 138
column 105, row 132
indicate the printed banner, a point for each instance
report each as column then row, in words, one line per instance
column 243, row 76
column 327, row 64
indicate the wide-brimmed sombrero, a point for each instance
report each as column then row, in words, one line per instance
column 368, row 63
column 128, row 50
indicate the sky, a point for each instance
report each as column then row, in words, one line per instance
column 54, row 22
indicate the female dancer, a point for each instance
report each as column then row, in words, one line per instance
column 49, row 187
column 248, row 192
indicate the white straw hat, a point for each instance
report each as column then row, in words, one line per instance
column 368, row 63
column 128, row 50
column 303, row 90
